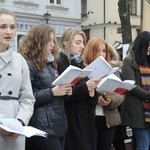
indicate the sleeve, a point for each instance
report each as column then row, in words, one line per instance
column 128, row 73
column 26, row 97
column 117, row 100
column 78, row 92
column 42, row 96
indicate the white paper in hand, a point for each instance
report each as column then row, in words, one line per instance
column 101, row 68
column 13, row 125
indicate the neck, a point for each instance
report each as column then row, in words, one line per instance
column 3, row 48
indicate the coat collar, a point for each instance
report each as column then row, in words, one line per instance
column 5, row 57
column 134, row 63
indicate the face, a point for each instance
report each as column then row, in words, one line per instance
column 77, row 44
column 102, row 50
column 50, row 44
column 7, row 31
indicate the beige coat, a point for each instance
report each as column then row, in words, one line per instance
column 15, row 82
column 111, row 112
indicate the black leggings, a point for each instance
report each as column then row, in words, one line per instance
column 105, row 135
column 41, row 143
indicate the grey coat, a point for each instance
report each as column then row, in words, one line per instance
column 16, row 97
column 132, row 114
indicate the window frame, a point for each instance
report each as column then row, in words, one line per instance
column 133, row 7
column 55, row 2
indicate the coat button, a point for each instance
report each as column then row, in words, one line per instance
column 10, row 92
column 0, row 76
column 9, row 74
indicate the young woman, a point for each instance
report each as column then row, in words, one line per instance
column 136, row 66
column 41, row 52
column 107, row 115
column 16, row 97
column 80, row 106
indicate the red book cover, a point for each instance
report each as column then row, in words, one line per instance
column 121, row 91
column 75, row 81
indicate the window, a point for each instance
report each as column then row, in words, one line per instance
column 55, row 2
column 32, row 1
column 133, row 7
column 83, row 8
column 87, row 33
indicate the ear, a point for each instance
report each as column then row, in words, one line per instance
column 66, row 45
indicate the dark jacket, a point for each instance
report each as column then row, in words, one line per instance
column 49, row 114
column 80, row 111
column 132, row 114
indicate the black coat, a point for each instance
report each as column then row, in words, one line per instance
column 80, row 111
column 49, row 113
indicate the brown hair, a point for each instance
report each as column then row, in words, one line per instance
column 34, row 45
column 91, row 50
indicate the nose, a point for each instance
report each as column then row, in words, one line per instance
column 52, row 44
column 8, row 30
column 82, row 45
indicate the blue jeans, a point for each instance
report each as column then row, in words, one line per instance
column 142, row 138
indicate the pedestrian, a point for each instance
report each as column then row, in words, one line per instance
column 40, row 50
column 80, row 106
column 16, row 96
column 107, row 114
column 136, row 108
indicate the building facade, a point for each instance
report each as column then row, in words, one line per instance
column 145, row 21
column 97, row 18
column 64, row 14
column 104, row 20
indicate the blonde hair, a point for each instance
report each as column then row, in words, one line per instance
column 68, row 37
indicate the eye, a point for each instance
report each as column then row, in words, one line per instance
column 3, row 26
column 13, row 27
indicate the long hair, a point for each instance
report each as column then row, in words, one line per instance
column 140, row 47
column 68, row 37
column 92, row 49
column 34, row 45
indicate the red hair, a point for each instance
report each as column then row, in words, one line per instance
column 92, row 49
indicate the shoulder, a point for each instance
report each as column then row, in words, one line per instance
column 19, row 58
column 129, row 60
column 63, row 57
column 63, row 63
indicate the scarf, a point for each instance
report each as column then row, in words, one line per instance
column 145, row 79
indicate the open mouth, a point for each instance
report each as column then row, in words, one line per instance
column 7, row 38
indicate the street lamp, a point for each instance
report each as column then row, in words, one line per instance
column 47, row 17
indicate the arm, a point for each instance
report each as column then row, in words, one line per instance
column 26, row 98
column 80, row 90
column 128, row 73
column 116, row 100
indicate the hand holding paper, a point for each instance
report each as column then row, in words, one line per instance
column 72, row 75
column 14, row 126
column 112, row 83
column 101, row 68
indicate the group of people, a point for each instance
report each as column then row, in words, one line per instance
column 75, row 117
